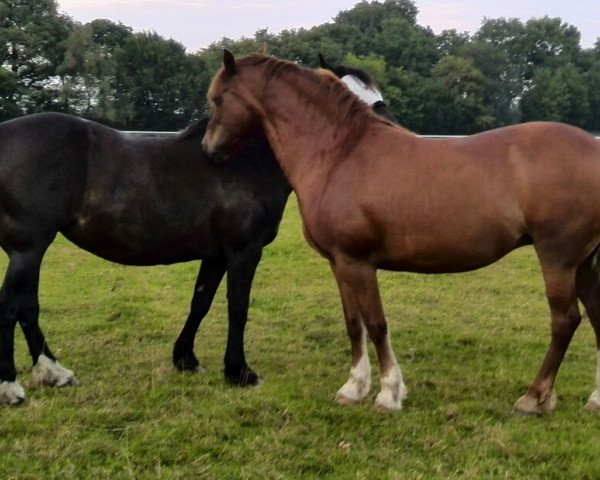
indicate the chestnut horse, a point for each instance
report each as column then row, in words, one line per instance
column 373, row 195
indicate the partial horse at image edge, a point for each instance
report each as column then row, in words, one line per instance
column 374, row 196
column 361, row 84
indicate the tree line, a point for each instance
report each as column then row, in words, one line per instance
column 508, row 71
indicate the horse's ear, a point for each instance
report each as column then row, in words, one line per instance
column 262, row 50
column 229, row 62
column 323, row 63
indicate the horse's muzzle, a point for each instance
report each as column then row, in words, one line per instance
column 206, row 146
column 215, row 155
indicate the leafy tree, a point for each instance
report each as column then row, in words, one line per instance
column 541, row 42
column 157, row 86
column 450, row 42
column 592, row 81
column 343, row 38
column 404, row 93
column 403, row 44
column 558, row 95
column 464, row 82
column 372, row 64
column 31, row 35
column 369, row 16
column 8, row 88
column 507, row 71
column 501, row 84
column 549, row 42
column 88, row 69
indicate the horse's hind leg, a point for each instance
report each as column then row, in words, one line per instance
column 210, row 276
column 19, row 303
column 588, row 290
column 10, row 390
column 565, row 318
column 23, row 282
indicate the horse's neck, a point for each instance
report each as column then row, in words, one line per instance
column 304, row 139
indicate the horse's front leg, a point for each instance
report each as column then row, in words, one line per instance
column 359, row 383
column 209, row 277
column 241, row 267
column 358, row 285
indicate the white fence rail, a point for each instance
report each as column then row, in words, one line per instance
column 151, row 134
column 170, row 134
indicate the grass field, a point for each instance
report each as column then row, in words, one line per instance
column 468, row 345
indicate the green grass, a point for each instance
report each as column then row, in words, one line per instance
column 468, row 346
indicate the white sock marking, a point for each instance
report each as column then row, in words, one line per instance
column 11, row 392
column 358, row 385
column 49, row 372
column 393, row 391
column 594, row 400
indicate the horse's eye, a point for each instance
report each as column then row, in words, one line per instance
column 218, row 101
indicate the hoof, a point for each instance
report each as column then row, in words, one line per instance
column 242, row 376
column 528, row 405
column 387, row 405
column 53, row 374
column 343, row 400
column 11, row 393
column 388, row 400
column 593, row 404
column 187, row 363
column 352, row 392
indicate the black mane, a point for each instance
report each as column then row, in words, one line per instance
column 343, row 70
column 194, row 130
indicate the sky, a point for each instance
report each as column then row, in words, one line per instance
column 198, row 23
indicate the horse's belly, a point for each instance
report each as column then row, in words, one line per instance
column 429, row 264
column 139, row 245
column 445, row 252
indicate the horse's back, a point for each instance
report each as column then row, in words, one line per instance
column 43, row 146
column 41, row 132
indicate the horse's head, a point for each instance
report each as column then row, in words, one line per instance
column 231, row 114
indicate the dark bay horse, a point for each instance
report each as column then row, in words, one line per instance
column 375, row 196
column 135, row 201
